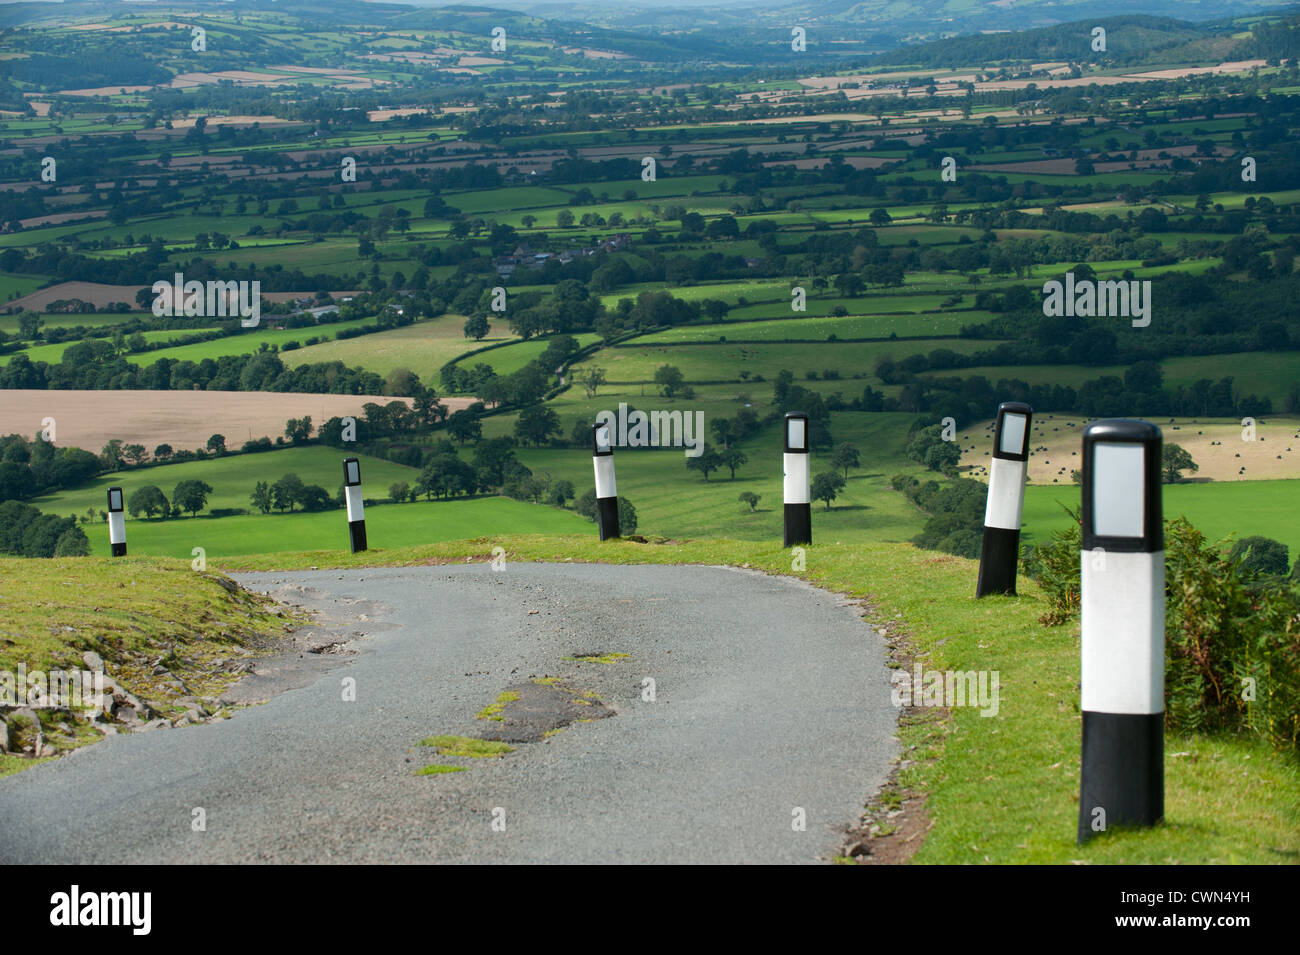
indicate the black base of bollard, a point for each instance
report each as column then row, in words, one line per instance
column 999, row 556
column 357, row 535
column 1123, row 771
column 798, row 524
column 607, row 517
column 119, row 550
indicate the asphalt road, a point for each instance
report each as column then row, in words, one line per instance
column 770, row 697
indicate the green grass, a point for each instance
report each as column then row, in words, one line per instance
column 249, row 342
column 423, row 348
column 466, row 746
column 510, row 358
column 725, row 362
column 132, row 611
column 818, row 329
column 233, row 477
column 387, row 526
column 1237, row 508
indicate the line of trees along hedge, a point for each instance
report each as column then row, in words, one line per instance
column 260, row 371
column 26, row 532
column 31, row 468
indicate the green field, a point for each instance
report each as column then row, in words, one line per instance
column 1219, row 510
column 423, row 348
column 818, row 329
column 1266, row 374
column 232, row 477
column 719, row 362
column 387, row 526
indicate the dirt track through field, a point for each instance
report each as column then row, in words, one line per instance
column 183, row 419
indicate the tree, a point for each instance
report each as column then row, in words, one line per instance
column 750, row 498
column 850, row 284
column 1173, row 460
column 591, row 378
column 928, row 447
column 722, row 431
column 217, row 444
column 564, row 219
column 150, row 500
column 477, row 327
column 163, row 452
column 428, row 409
column 297, row 430
column 536, row 425
column 313, row 497
column 135, row 453
column 845, row 456
column 879, row 217
column 586, row 506
column 670, row 379
column 704, row 462
column 286, row 491
column 464, row 426
column 72, row 543
column 733, row 458
column 399, row 492
column 827, row 486
column 191, row 496
column 111, row 454
column 492, row 458
column 626, row 517
column 1261, row 555
column 261, row 497
column 29, row 325
column 559, row 492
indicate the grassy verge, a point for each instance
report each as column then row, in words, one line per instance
column 1005, row 788
column 163, row 630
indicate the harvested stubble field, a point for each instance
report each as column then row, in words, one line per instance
column 183, row 419
column 1215, row 445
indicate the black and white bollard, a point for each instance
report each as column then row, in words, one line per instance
column 356, row 506
column 602, row 450
column 116, row 522
column 797, row 465
column 1123, row 603
column 1000, row 551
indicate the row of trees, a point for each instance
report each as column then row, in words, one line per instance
column 189, row 496
column 26, row 532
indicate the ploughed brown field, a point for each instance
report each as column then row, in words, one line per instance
column 183, row 419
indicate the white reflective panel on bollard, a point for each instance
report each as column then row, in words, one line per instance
column 1013, row 434
column 1118, row 494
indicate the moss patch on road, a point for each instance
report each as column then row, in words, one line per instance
column 493, row 710
column 438, row 769
column 466, row 746
column 605, row 658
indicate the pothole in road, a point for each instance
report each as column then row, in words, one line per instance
column 530, row 712
column 333, row 648
column 523, row 713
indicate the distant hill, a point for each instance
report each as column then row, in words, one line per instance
column 1131, row 40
